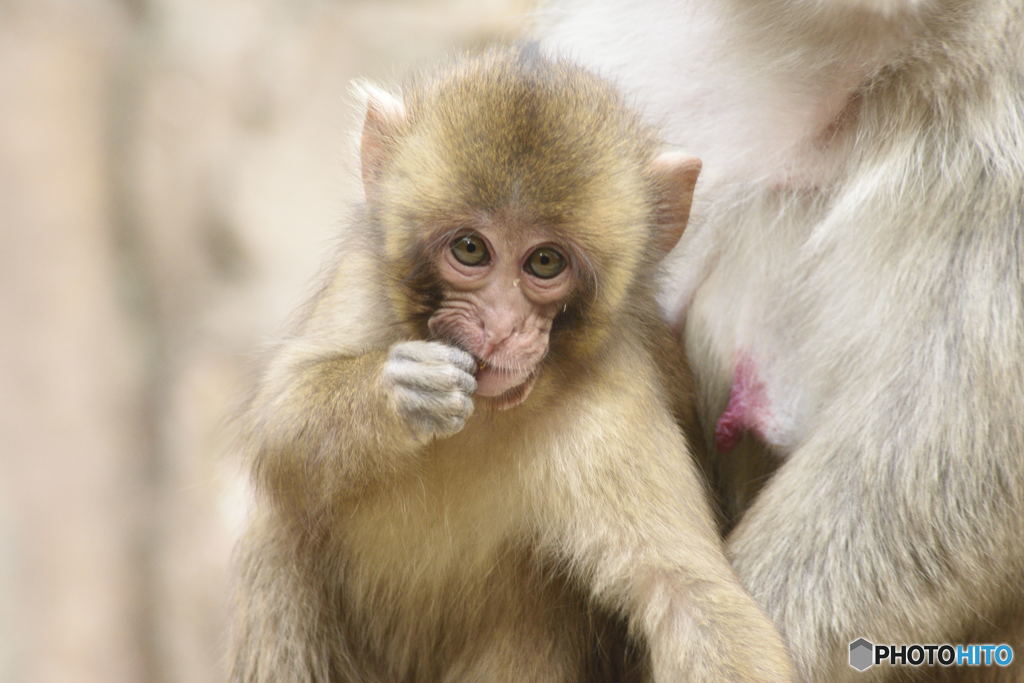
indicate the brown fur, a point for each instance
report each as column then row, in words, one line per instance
column 566, row 539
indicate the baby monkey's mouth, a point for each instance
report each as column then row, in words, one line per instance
column 515, row 395
column 504, row 386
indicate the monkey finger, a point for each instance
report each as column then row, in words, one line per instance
column 452, row 425
column 453, row 404
column 418, row 404
column 463, row 361
column 434, row 352
column 443, row 378
column 418, row 351
column 464, row 405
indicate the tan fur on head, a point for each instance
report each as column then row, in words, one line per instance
column 530, row 139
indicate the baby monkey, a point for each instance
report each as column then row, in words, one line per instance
column 471, row 457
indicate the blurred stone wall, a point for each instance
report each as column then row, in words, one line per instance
column 171, row 175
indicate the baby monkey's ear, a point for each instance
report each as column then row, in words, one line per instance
column 385, row 113
column 676, row 174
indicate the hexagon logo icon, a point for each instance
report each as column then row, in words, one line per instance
column 862, row 654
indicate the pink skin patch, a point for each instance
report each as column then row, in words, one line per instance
column 747, row 408
column 500, row 311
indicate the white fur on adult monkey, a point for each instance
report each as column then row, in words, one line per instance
column 852, row 297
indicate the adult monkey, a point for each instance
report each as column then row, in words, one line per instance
column 858, row 315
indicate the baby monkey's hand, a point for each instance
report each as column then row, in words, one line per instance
column 431, row 385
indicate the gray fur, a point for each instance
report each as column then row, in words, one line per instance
column 860, row 233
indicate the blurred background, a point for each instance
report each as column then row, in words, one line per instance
column 171, row 175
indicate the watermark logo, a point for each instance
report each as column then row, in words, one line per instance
column 864, row 654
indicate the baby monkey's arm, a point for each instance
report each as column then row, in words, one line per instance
column 333, row 424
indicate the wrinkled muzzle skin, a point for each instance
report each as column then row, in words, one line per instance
column 499, row 309
column 507, row 334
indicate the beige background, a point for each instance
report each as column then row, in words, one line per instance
column 171, row 174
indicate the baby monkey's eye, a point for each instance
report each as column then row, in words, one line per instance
column 470, row 250
column 545, row 263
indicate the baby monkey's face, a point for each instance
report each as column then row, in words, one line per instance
column 513, row 197
column 502, row 290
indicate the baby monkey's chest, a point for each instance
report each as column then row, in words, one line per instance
column 440, row 524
